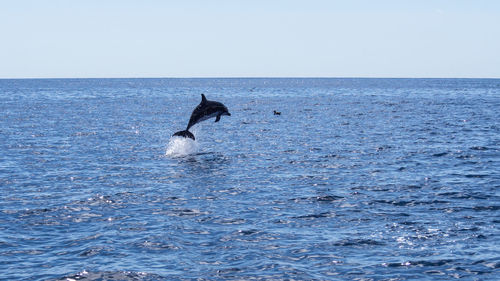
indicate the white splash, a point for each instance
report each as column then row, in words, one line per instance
column 180, row 146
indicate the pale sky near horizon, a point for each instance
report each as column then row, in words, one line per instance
column 259, row 38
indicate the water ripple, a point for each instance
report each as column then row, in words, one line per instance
column 369, row 179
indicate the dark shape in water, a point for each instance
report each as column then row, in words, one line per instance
column 276, row 112
column 205, row 110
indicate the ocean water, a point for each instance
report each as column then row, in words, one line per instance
column 367, row 179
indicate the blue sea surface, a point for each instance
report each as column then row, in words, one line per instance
column 368, row 179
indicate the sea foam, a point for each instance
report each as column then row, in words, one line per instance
column 180, row 146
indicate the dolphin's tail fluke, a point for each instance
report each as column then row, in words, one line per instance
column 185, row 133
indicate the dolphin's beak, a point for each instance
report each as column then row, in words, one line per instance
column 228, row 114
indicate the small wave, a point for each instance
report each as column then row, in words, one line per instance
column 186, row 212
column 479, row 148
column 110, row 275
column 358, row 242
column 247, row 232
column 323, row 199
column 230, row 221
column 476, row 176
column 420, row 263
column 96, row 250
column 328, row 198
column 315, row 216
column 440, row 154
column 156, row 245
column 179, row 146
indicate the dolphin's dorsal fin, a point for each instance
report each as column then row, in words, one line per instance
column 203, row 98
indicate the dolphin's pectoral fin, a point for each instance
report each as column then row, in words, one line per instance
column 217, row 119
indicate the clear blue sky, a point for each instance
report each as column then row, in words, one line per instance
column 253, row 38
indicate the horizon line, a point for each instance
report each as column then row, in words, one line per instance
column 244, row 77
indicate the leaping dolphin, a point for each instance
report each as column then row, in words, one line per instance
column 205, row 110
